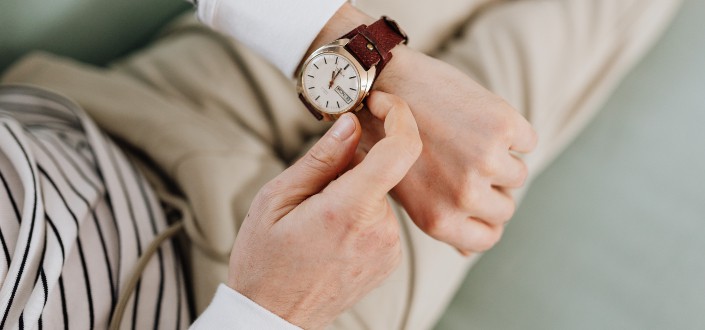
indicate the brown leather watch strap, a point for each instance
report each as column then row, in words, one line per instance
column 310, row 107
column 372, row 45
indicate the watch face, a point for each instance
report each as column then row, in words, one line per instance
column 331, row 83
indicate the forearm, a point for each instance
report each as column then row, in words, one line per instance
column 279, row 31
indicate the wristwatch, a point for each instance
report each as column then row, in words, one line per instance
column 337, row 77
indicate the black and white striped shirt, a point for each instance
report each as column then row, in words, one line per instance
column 75, row 217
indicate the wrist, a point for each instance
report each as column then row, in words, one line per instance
column 390, row 80
column 392, row 75
column 343, row 21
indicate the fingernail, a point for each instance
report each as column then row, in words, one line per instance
column 343, row 127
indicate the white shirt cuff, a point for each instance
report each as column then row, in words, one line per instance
column 231, row 310
column 280, row 31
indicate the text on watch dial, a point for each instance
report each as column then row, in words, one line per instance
column 331, row 83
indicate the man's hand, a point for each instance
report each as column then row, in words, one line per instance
column 314, row 243
column 459, row 190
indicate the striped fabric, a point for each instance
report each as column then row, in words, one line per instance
column 75, row 216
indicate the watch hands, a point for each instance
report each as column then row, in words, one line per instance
column 335, row 75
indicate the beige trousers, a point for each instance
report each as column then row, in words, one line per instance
column 218, row 122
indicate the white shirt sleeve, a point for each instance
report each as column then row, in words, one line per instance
column 231, row 310
column 279, row 30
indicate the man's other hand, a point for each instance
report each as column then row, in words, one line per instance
column 459, row 191
column 316, row 241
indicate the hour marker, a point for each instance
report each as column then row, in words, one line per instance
column 324, row 60
column 315, row 66
column 353, row 77
column 311, row 76
column 312, row 87
column 336, row 102
column 326, row 104
column 353, row 89
column 346, row 67
column 336, row 60
column 317, row 97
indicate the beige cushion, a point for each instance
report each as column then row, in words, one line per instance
column 428, row 23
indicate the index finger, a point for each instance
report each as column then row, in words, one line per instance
column 388, row 160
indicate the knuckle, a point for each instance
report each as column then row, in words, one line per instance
column 506, row 213
column 511, row 124
column 356, row 221
column 468, row 197
column 270, row 191
column 488, row 165
column 485, row 162
column 487, row 240
column 330, row 216
column 484, row 244
column 502, row 122
column 436, row 227
column 505, row 126
column 522, row 174
column 525, row 131
column 360, row 209
column 320, row 158
column 533, row 138
column 349, row 225
column 271, row 197
column 371, row 241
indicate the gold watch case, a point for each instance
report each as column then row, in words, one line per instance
column 366, row 79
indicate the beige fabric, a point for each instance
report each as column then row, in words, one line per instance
column 187, row 103
column 428, row 23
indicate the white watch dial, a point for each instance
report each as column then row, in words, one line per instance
column 331, row 83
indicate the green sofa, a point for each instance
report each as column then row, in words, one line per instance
column 611, row 236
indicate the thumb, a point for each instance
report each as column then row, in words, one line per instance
column 322, row 163
column 388, row 161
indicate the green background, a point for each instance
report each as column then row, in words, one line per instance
column 93, row 31
column 612, row 235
